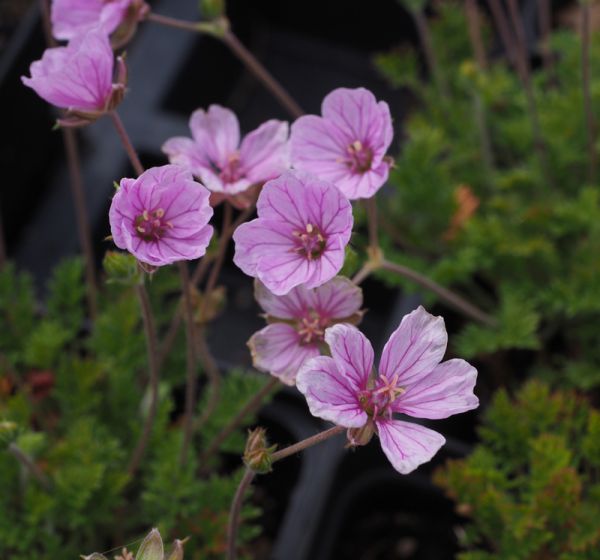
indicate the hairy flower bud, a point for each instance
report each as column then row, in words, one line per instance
column 257, row 455
column 151, row 547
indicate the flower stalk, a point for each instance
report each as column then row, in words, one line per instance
column 221, row 29
column 126, row 141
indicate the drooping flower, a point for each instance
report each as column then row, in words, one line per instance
column 412, row 380
column 297, row 323
column 162, row 216
column 300, row 235
column 216, row 157
column 348, row 144
column 79, row 77
column 71, row 18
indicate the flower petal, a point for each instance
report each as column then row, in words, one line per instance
column 289, row 306
column 447, row 390
column 352, row 353
column 216, row 132
column 415, row 348
column 408, row 445
column 330, row 394
column 264, row 153
column 276, row 349
column 339, row 298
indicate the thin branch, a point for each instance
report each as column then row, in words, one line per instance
column 83, row 224
column 30, row 465
column 587, row 95
column 191, row 377
column 151, row 346
column 221, row 30
column 475, row 35
column 126, row 141
column 504, row 32
column 306, row 443
column 249, row 408
column 234, row 513
column 362, row 274
column 545, row 20
column 452, row 299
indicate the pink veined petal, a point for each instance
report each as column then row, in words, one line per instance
column 447, row 390
column 330, row 210
column 415, row 348
column 355, row 112
column 260, row 239
column 326, row 266
column 216, row 132
column 339, row 298
column 264, row 152
column 408, row 445
column 282, row 271
column 284, row 200
column 364, row 185
column 185, row 152
column 73, row 17
column 352, row 353
column 292, row 305
column 318, row 146
column 330, row 394
column 276, row 349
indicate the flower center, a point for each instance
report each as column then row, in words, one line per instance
column 151, row 225
column 231, row 171
column 377, row 400
column 310, row 243
column 311, row 328
column 360, row 157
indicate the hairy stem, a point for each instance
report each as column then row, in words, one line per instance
column 587, row 95
column 452, row 299
column 221, row 30
column 30, row 465
column 126, row 141
column 362, row 274
column 249, row 408
column 151, row 346
column 191, row 378
column 234, row 513
column 83, row 224
column 238, row 499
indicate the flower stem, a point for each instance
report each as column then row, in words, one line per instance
column 452, row 299
column 125, row 140
column 234, row 513
column 362, row 274
column 214, row 377
column 587, row 96
column 545, row 20
column 236, row 505
column 30, row 465
column 191, row 378
column 220, row 29
column 83, row 224
column 151, row 346
column 250, row 407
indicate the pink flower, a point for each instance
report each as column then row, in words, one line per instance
column 217, row 158
column 161, row 217
column 411, row 380
column 300, row 235
column 347, row 145
column 71, row 18
column 297, row 323
column 79, row 77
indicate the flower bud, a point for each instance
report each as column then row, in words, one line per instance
column 257, row 455
column 151, row 547
column 361, row 436
column 177, row 551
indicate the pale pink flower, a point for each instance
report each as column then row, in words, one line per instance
column 300, row 235
column 71, row 18
column 297, row 323
column 348, row 144
column 162, row 216
column 216, row 157
column 344, row 389
column 79, row 77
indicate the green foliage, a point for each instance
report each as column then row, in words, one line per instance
column 531, row 487
column 517, row 233
column 75, row 401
